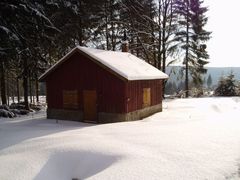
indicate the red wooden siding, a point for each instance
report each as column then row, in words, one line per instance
column 80, row 73
column 134, row 92
column 114, row 95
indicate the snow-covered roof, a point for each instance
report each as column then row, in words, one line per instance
column 125, row 64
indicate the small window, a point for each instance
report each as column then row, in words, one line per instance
column 70, row 99
column 146, row 97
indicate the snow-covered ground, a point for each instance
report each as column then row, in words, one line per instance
column 191, row 139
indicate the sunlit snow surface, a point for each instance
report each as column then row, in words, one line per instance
column 191, row 139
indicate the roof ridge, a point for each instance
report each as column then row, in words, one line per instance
column 125, row 64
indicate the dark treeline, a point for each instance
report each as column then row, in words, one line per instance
column 34, row 34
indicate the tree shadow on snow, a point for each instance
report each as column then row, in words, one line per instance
column 75, row 164
column 14, row 131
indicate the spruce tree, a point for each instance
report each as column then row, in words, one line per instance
column 226, row 86
column 192, row 38
column 25, row 24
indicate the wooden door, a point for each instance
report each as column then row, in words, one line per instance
column 90, row 105
column 146, row 97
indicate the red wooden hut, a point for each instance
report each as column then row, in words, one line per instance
column 102, row 86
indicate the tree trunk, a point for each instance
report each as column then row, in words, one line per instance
column 186, row 58
column 7, row 88
column 3, row 84
column 164, row 50
column 164, row 45
column 159, row 37
column 164, row 37
column 37, row 89
column 80, row 33
column 25, row 83
column 25, row 91
column 13, row 92
column 30, row 90
column 106, row 25
column 112, row 27
column 153, row 39
column 132, row 42
column 18, row 91
column 137, row 46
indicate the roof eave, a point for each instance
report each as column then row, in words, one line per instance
column 43, row 77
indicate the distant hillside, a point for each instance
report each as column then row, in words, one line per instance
column 216, row 73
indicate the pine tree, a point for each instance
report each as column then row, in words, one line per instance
column 9, row 41
column 226, row 86
column 25, row 23
column 192, row 38
column 199, row 38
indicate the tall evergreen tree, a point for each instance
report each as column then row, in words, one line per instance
column 9, row 40
column 34, row 34
column 29, row 23
column 192, row 38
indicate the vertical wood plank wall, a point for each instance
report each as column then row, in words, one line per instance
column 80, row 73
column 135, row 93
column 114, row 95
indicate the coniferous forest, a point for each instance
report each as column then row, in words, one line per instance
column 35, row 34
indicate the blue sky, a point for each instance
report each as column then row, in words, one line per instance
column 224, row 22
